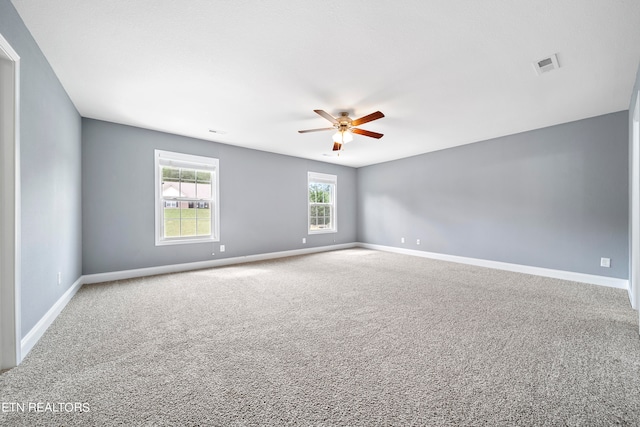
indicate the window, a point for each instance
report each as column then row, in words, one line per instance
column 186, row 198
column 322, row 203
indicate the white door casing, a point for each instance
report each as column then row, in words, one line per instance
column 634, row 283
column 10, row 334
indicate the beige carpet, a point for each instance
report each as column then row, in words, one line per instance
column 352, row 337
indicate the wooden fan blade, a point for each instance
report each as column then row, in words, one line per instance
column 367, row 133
column 326, row 116
column 368, row 118
column 337, row 146
column 315, row 130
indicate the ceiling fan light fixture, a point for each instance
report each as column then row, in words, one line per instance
column 343, row 136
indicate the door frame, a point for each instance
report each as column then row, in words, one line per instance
column 634, row 264
column 10, row 328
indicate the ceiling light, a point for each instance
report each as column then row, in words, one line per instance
column 343, row 137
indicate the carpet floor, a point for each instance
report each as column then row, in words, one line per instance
column 353, row 337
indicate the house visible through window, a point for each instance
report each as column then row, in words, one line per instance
column 186, row 198
column 322, row 203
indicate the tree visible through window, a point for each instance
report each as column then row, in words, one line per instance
column 186, row 198
column 322, row 202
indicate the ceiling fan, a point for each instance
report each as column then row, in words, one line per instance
column 346, row 127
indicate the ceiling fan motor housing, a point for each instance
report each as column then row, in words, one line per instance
column 344, row 122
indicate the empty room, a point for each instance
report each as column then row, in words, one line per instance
column 320, row 213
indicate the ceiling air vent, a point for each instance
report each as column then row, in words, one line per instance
column 545, row 65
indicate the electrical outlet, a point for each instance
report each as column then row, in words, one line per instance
column 304, row 240
column 605, row 262
column 417, row 241
column 59, row 278
column 222, row 248
column 402, row 240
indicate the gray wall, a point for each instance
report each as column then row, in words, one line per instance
column 50, row 177
column 263, row 200
column 554, row 197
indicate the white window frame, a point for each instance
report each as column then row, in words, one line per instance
column 323, row 178
column 169, row 158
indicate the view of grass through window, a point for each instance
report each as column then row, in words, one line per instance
column 186, row 195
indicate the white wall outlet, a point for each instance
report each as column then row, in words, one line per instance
column 59, row 278
column 304, row 240
column 605, row 262
column 417, row 241
column 222, row 248
column 402, row 240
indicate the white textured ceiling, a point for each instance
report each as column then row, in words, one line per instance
column 444, row 73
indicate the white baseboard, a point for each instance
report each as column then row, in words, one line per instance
column 39, row 329
column 175, row 268
column 611, row 282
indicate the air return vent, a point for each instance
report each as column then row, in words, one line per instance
column 545, row 65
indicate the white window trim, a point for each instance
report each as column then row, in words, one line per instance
column 325, row 179
column 197, row 162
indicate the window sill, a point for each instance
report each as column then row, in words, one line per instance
column 184, row 241
column 322, row 231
